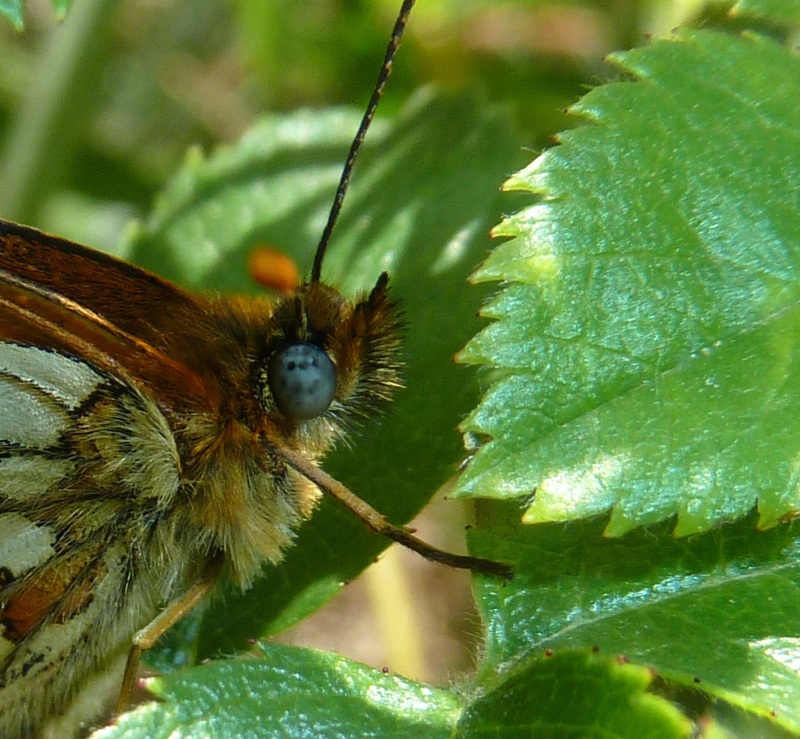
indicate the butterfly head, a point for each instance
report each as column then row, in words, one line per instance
column 330, row 358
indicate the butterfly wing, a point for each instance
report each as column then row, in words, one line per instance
column 88, row 467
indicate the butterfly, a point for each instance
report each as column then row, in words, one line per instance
column 137, row 461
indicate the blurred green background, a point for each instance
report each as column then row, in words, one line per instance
column 97, row 111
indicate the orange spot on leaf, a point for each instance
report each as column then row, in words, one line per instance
column 274, row 269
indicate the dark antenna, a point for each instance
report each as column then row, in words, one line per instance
column 369, row 114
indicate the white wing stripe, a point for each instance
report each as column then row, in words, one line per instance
column 23, row 477
column 28, row 417
column 23, row 544
column 65, row 378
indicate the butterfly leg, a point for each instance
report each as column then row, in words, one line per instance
column 376, row 521
column 146, row 638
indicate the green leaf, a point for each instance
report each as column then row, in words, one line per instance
column 291, row 692
column 12, row 10
column 288, row 692
column 716, row 612
column 573, row 694
column 780, row 11
column 648, row 344
column 424, row 195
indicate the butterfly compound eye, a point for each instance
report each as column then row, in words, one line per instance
column 303, row 381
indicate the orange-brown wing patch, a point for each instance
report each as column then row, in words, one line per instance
column 135, row 300
column 54, row 593
column 40, row 306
